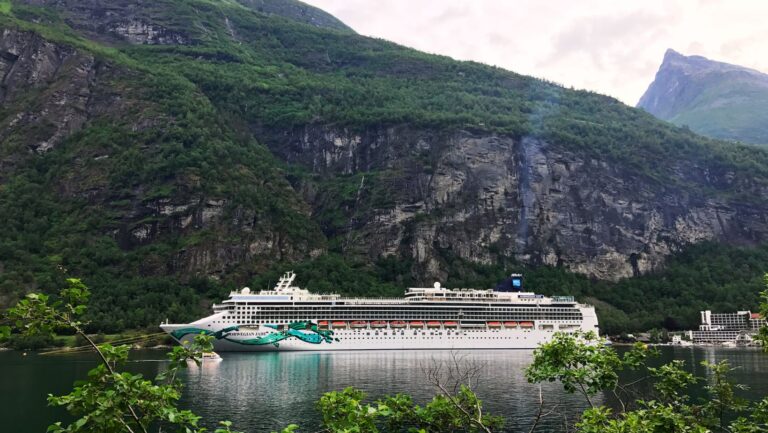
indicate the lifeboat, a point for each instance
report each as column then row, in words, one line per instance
column 322, row 324
column 397, row 324
column 494, row 324
column 450, row 324
column 433, row 324
column 510, row 324
column 339, row 324
column 378, row 324
column 526, row 325
column 357, row 324
column 417, row 324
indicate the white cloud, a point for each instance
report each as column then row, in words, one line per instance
column 604, row 45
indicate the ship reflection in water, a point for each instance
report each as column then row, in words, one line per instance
column 262, row 392
column 267, row 391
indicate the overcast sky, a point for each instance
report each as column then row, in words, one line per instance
column 609, row 46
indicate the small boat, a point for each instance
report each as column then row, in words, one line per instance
column 378, row 324
column 208, row 357
column 510, row 324
column 526, row 324
column 339, row 324
column 322, row 324
column 494, row 324
column 433, row 324
column 357, row 324
column 450, row 324
column 397, row 324
column 417, row 324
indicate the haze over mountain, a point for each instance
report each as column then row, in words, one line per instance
column 712, row 98
column 167, row 151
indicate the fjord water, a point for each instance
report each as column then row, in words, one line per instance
column 263, row 392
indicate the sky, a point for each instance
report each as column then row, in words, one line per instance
column 612, row 47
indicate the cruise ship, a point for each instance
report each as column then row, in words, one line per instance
column 288, row 318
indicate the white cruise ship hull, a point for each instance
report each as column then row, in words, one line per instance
column 289, row 318
column 407, row 339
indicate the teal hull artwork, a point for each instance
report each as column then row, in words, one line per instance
column 304, row 331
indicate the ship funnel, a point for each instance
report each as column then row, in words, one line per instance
column 512, row 284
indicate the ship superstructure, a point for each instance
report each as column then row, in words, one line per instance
column 290, row 318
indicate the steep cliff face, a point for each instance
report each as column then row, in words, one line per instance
column 483, row 197
column 48, row 88
column 712, row 98
column 199, row 139
column 100, row 125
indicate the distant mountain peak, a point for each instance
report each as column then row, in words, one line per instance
column 672, row 53
column 713, row 98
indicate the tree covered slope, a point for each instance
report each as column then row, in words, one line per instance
column 168, row 150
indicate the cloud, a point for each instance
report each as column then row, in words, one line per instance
column 607, row 46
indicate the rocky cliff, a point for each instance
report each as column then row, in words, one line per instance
column 160, row 144
column 483, row 197
column 55, row 97
column 712, row 98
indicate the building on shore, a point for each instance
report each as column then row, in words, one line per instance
column 739, row 327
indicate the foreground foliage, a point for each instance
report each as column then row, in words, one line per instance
column 345, row 411
column 109, row 400
column 583, row 363
column 659, row 401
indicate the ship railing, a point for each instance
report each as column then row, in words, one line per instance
column 373, row 300
column 563, row 299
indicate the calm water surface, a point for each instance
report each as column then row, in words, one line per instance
column 263, row 392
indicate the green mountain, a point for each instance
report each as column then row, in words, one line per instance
column 711, row 98
column 167, row 151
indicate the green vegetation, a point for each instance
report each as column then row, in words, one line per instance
column 705, row 276
column 656, row 400
column 5, row 7
column 109, row 400
column 590, row 369
column 728, row 109
column 183, row 135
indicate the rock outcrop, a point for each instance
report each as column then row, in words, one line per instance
column 51, row 92
column 712, row 98
column 198, row 173
column 482, row 197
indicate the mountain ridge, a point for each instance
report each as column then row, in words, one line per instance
column 712, row 98
column 224, row 143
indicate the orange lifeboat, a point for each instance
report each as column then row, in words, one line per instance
column 339, row 324
column 378, row 324
column 397, row 324
column 526, row 324
column 417, row 324
column 450, row 324
column 433, row 324
column 494, row 324
column 357, row 324
column 323, row 324
column 510, row 324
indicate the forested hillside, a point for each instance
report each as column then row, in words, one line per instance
column 169, row 151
